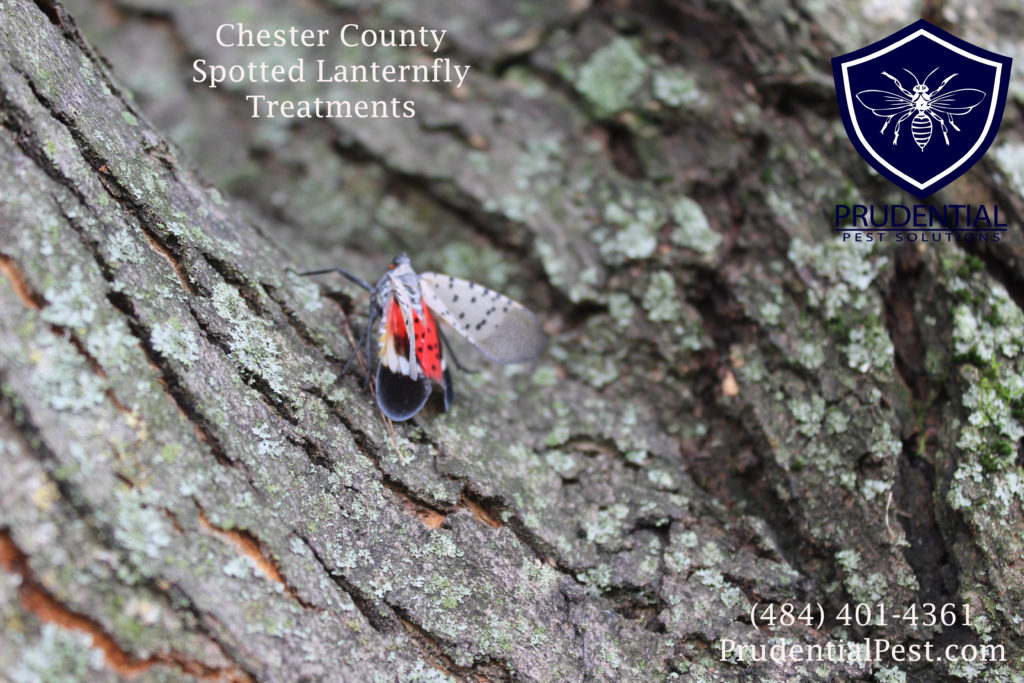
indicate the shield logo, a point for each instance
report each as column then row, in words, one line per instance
column 921, row 106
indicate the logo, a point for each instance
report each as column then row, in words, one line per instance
column 921, row 106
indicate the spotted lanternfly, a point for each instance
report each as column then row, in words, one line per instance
column 405, row 309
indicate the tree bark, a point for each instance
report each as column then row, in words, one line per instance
column 736, row 408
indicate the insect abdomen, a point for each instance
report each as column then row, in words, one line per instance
column 921, row 129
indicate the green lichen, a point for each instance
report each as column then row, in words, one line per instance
column 171, row 452
column 239, row 567
column 112, row 344
column 60, row 374
column 565, row 464
column 809, row 414
column 598, row 370
column 252, row 344
column 846, row 272
column 675, row 87
column 634, row 236
column 71, row 302
column 1010, row 157
column 538, row 168
column 58, row 655
column 307, row 292
column 142, row 530
column 129, row 118
column 874, row 487
column 606, row 526
column 730, row 596
column 557, row 436
column 836, row 421
column 868, row 588
column 597, row 579
column 612, row 76
column 172, row 339
column 662, row 479
column 693, row 230
column 662, row 298
column 621, row 308
column 545, row 376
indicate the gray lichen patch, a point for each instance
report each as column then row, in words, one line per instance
column 984, row 428
column 676, row 87
column 174, row 340
column 70, row 302
column 634, row 221
column 693, row 231
column 252, row 344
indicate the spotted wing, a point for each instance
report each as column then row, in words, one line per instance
column 503, row 330
column 428, row 345
column 883, row 103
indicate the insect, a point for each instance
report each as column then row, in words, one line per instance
column 405, row 308
column 925, row 106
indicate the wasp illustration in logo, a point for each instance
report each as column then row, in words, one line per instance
column 922, row 81
column 925, row 106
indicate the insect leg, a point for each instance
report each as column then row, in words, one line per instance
column 942, row 124
column 899, row 85
column 950, row 117
column 941, row 85
column 455, row 359
column 358, row 280
column 896, row 133
column 355, row 350
column 374, row 314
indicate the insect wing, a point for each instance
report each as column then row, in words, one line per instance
column 395, row 350
column 428, row 345
column 398, row 395
column 402, row 387
column 402, row 306
column 503, row 330
column 884, row 103
column 958, row 102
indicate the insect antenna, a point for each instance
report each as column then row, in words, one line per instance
column 912, row 75
column 929, row 75
column 354, row 278
column 374, row 313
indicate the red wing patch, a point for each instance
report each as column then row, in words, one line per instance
column 397, row 330
column 428, row 345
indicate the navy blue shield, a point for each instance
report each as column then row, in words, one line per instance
column 921, row 106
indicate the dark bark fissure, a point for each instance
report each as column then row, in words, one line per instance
column 917, row 488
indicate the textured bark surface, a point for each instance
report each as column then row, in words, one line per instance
column 735, row 407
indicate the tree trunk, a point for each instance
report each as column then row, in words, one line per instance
column 736, row 408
